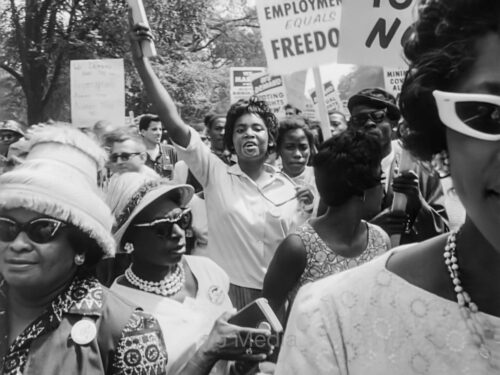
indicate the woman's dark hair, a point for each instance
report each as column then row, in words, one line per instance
column 294, row 123
column 440, row 51
column 210, row 119
column 82, row 243
column 346, row 165
column 251, row 106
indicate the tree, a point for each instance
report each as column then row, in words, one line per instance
column 42, row 36
column 196, row 39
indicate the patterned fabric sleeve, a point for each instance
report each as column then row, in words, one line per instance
column 141, row 349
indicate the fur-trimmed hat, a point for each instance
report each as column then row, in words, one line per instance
column 130, row 193
column 377, row 98
column 59, row 179
column 12, row 126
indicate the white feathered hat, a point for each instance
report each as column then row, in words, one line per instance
column 59, row 178
column 130, row 193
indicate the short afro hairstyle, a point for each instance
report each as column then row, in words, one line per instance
column 440, row 50
column 346, row 165
column 252, row 106
column 293, row 123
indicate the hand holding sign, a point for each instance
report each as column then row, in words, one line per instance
column 139, row 17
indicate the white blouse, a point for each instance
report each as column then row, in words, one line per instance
column 186, row 324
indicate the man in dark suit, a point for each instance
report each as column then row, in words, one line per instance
column 374, row 110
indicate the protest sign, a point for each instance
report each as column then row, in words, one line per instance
column 241, row 82
column 272, row 90
column 332, row 99
column 298, row 34
column 310, row 111
column 347, row 80
column 393, row 79
column 373, row 31
column 97, row 92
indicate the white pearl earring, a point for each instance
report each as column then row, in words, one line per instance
column 79, row 259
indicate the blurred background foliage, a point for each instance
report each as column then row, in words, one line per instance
column 197, row 41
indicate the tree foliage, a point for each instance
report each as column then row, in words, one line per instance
column 197, row 40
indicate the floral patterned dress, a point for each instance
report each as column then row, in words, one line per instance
column 139, row 350
column 323, row 261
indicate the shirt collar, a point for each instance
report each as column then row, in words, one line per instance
column 236, row 170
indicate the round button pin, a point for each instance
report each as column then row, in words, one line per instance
column 264, row 325
column 83, row 332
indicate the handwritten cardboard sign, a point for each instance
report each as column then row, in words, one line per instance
column 373, row 31
column 97, row 92
column 299, row 34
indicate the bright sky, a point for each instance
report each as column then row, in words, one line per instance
column 331, row 72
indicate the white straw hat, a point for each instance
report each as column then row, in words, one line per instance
column 131, row 192
column 59, row 178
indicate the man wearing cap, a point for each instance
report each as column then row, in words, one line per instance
column 374, row 110
column 10, row 132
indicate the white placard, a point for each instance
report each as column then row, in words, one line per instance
column 393, row 79
column 332, row 99
column 241, row 82
column 373, row 31
column 299, row 34
column 272, row 90
column 97, row 92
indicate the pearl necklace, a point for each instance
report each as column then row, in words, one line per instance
column 169, row 286
column 468, row 309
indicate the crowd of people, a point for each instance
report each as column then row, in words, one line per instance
column 377, row 248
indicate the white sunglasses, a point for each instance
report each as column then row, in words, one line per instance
column 475, row 115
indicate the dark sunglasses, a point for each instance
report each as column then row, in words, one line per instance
column 163, row 227
column 7, row 137
column 124, row 156
column 376, row 116
column 41, row 230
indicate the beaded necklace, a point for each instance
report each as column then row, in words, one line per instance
column 468, row 309
column 169, row 286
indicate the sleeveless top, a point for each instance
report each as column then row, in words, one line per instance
column 323, row 261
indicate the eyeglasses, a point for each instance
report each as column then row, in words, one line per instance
column 7, row 137
column 271, row 198
column 41, row 230
column 376, row 116
column 474, row 115
column 163, row 227
column 124, row 156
